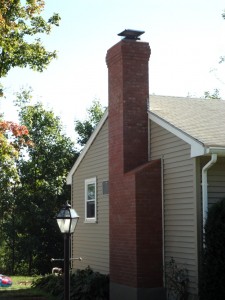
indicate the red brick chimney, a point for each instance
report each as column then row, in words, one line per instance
column 136, row 269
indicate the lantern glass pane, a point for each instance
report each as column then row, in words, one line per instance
column 73, row 225
column 64, row 225
column 67, row 219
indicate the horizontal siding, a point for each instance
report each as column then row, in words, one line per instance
column 91, row 241
column 180, row 241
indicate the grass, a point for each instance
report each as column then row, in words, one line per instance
column 21, row 289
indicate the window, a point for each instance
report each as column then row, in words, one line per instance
column 90, row 200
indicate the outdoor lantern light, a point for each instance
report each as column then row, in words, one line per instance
column 67, row 220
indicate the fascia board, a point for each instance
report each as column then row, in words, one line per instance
column 197, row 148
column 86, row 147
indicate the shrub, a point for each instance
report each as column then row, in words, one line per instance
column 51, row 284
column 84, row 285
column 176, row 281
column 212, row 274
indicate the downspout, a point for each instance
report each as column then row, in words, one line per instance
column 205, row 189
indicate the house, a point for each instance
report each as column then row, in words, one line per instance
column 143, row 183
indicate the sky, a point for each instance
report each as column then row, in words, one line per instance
column 186, row 39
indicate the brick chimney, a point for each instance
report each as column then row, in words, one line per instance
column 136, row 270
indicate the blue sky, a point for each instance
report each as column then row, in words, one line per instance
column 186, row 38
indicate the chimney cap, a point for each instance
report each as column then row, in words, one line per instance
column 130, row 34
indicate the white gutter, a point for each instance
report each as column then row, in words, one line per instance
column 205, row 188
column 216, row 150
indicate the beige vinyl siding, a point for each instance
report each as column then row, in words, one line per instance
column 179, row 199
column 91, row 240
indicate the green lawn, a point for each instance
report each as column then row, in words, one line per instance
column 21, row 289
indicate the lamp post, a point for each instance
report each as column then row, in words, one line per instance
column 67, row 220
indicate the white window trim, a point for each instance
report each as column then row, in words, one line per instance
column 90, row 181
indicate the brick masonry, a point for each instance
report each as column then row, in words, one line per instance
column 134, row 183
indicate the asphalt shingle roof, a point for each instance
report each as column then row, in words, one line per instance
column 202, row 119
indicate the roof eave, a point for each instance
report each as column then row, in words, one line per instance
column 197, row 148
column 86, row 147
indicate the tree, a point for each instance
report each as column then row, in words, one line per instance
column 214, row 95
column 19, row 23
column 212, row 269
column 85, row 128
column 21, row 26
column 33, row 236
column 13, row 138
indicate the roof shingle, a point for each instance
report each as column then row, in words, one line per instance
column 202, row 119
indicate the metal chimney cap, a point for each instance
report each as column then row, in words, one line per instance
column 130, row 34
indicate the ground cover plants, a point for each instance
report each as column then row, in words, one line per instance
column 84, row 285
column 22, row 288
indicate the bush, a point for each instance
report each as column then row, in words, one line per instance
column 176, row 280
column 212, row 273
column 84, row 285
column 51, row 284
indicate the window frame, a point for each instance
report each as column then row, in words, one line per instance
column 89, row 181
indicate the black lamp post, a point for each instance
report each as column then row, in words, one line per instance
column 67, row 220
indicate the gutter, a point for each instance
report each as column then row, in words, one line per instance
column 205, row 188
column 214, row 151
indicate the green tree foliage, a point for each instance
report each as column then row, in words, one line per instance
column 32, row 236
column 20, row 21
column 212, row 276
column 85, row 128
column 21, row 26
column 12, row 140
column 214, row 95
